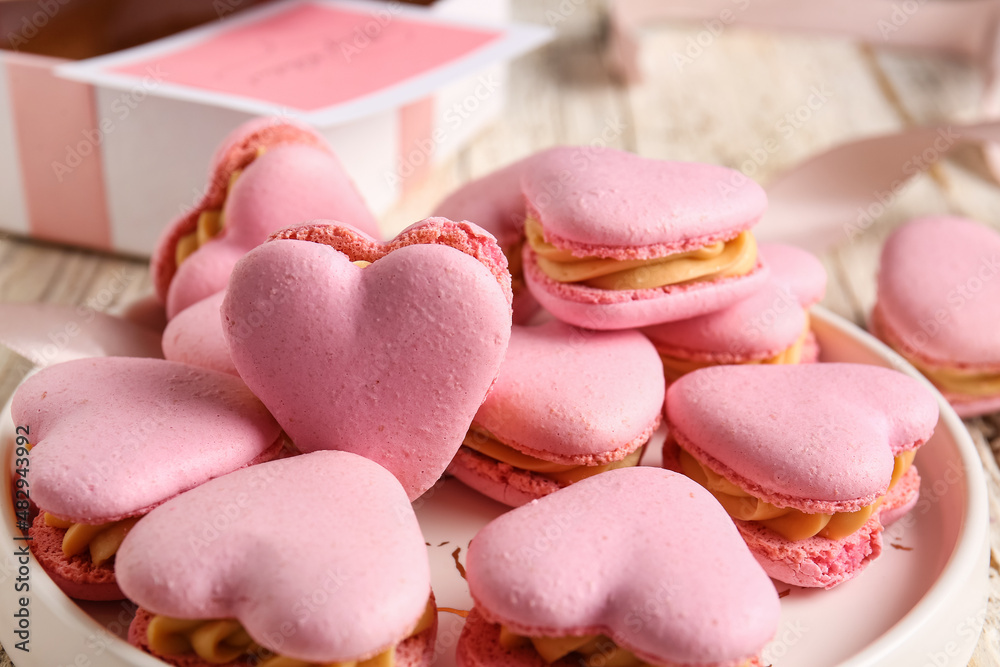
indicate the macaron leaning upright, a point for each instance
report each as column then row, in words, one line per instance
column 771, row 326
column 268, row 173
column 616, row 241
column 811, row 461
column 568, row 404
column 636, row 566
column 939, row 306
column 113, row 437
column 382, row 349
column 314, row 560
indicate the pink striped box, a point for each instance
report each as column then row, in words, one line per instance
column 103, row 153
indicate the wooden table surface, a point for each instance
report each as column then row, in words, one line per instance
column 724, row 107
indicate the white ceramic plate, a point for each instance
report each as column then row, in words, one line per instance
column 922, row 603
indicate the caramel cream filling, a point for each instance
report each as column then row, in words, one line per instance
column 593, row 650
column 675, row 367
column 960, row 380
column 210, row 222
column 515, row 264
column 735, row 257
column 484, row 442
column 219, row 641
column 101, row 540
column 789, row 523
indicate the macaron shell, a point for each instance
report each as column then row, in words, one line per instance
column 494, row 202
column 610, row 203
column 709, row 600
column 195, row 336
column 760, row 326
column 355, row 537
column 243, row 141
column 406, row 356
column 76, row 576
column 902, row 498
column 574, row 396
column 797, row 269
column 966, row 406
column 817, row 437
column 592, row 308
column 284, row 186
column 815, row 562
column 237, row 150
column 479, row 646
column 114, row 436
column 938, row 291
column 416, row 651
column 499, row 481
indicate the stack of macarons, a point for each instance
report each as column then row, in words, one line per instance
column 606, row 239
column 810, row 461
column 771, row 326
column 616, row 241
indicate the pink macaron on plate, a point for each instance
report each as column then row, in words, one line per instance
column 921, row 603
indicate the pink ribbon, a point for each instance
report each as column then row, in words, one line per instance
column 47, row 334
column 836, row 196
column 964, row 28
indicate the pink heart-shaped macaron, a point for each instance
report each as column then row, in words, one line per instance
column 319, row 556
column 642, row 555
column 115, row 436
column 567, row 396
column 596, row 209
column 821, row 433
column 287, row 174
column 820, row 439
column 390, row 361
column 939, row 306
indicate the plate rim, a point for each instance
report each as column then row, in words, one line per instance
column 975, row 526
column 973, row 533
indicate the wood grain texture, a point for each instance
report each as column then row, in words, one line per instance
column 754, row 101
